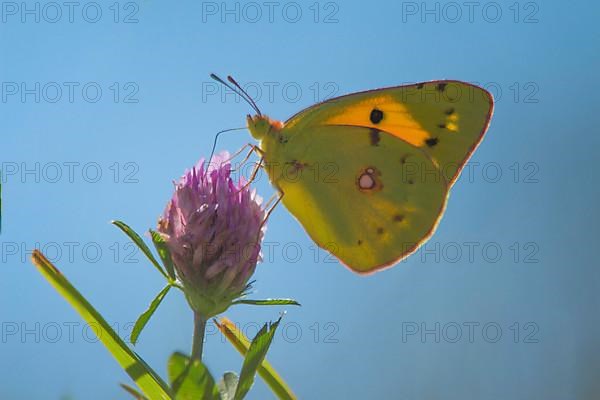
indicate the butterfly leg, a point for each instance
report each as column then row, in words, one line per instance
column 237, row 153
column 253, row 148
column 254, row 173
column 272, row 208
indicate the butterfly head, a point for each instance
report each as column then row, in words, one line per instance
column 260, row 126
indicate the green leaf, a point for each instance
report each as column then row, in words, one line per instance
column 140, row 243
column 228, row 385
column 269, row 302
column 241, row 343
column 145, row 317
column 163, row 253
column 254, row 357
column 146, row 379
column 134, row 393
column 191, row 380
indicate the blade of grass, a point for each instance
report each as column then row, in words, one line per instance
column 146, row 379
column 241, row 343
column 134, row 393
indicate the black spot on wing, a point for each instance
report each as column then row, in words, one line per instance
column 282, row 139
column 374, row 137
column 376, row 116
column 431, row 142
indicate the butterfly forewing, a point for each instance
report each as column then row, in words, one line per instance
column 447, row 119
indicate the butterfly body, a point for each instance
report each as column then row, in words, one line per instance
column 368, row 174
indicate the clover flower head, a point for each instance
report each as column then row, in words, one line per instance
column 213, row 228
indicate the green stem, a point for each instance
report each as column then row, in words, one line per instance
column 198, row 341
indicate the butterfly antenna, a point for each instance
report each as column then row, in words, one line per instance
column 242, row 94
column 237, row 85
column 212, row 152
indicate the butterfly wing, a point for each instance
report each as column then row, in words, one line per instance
column 371, row 171
column 447, row 119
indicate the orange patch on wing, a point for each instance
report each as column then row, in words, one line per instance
column 395, row 119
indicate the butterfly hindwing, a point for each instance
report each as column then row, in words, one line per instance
column 357, row 197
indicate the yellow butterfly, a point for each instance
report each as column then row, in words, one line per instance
column 368, row 174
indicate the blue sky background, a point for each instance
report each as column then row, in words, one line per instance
column 351, row 337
